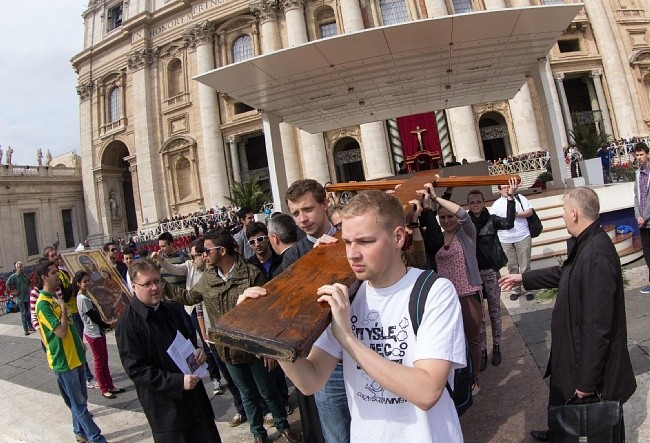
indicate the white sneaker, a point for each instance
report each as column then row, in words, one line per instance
column 269, row 420
column 92, row 384
column 218, row 389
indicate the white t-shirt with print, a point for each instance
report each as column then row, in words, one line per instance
column 520, row 230
column 380, row 319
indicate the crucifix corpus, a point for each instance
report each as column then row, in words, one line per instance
column 418, row 131
column 286, row 323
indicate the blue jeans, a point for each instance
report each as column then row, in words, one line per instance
column 253, row 380
column 79, row 325
column 333, row 408
column 25, row 315
column 73, row 384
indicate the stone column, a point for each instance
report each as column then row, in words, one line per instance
column 436, row 8
column 614, row 66
column 556, row 104
column 201, row 37
column 460, row 121
column 314, row 156
column 266, row 12
column 234, row 156
column 374, row 142
column 521, row 107
column 593, row 99
column 277, row 176
column 564, row 104
column 376, row 151
column 86, row 124
column 551, row 123
column 602, row 101
column 146, row 144
column 351, row 15
column 465, row 135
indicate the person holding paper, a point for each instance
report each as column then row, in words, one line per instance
column 175, row 404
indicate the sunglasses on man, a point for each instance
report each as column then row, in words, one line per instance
column 259, row 239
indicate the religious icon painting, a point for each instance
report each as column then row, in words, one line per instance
column 107, row 289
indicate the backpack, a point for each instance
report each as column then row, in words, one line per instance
column 11, row 306
column 461, row 394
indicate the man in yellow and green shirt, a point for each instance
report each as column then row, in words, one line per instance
column 70, row 298
column 65, row 352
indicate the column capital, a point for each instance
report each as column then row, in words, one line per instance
column 558, row 76
column 596, row 73
column 288, row 5
column 200, row 34
column 84, row 90
column 265, row 10
column 143, row 57
column 234, row 139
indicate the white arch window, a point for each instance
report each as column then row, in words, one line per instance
column 393, row 11
column 114, row 104
column 242, row 48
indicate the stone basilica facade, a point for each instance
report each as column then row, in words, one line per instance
column 156, row 144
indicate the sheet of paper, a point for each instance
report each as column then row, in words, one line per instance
column 181, row 352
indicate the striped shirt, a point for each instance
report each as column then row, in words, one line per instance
column 33, row 297
column 63, row 354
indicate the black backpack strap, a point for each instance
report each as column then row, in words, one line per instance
column 353, row 289
column 419, row 296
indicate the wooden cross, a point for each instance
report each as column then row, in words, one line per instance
column 286, row 323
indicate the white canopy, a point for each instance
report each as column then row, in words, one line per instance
column 397, row 70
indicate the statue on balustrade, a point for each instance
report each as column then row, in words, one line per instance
column 10, row 153
column 39, row 157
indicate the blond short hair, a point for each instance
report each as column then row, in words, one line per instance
column 388, row 208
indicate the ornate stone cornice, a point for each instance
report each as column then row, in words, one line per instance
column 265, row 10
column 500, row 106
column 84, row 90
column 595, row 73
column 200, row 34
column 142, row 57
column 293, row 4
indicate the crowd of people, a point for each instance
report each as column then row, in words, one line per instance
column 388, row 383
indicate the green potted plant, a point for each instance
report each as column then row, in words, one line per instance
column 249, row 194
column 588, row 140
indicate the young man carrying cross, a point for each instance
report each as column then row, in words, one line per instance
column 395, row 381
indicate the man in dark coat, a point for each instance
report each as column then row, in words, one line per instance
column 588, row 328
column 175, row 404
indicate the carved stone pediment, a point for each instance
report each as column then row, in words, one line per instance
column 142, row 57
column 641, row 57
column 500, row 106
column 173, row 48
column 84, row 90
column 200, row 34
column 331, row 137
column 265, row 10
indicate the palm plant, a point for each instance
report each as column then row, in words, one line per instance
column 250, row 194
column 587, row 138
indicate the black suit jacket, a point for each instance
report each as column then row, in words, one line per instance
column 588, row 326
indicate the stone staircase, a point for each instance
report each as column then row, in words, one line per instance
column 549, row 249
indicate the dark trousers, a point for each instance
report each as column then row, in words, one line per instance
column 645, row 244
column 277, row 375
column 232, row 388
column 253, row 380
column 213, row 369
column 25, row 315
column 203, row 431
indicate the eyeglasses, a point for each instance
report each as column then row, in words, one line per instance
column 259, row 239
column 149, row 284
column 112, row 250
column 208, row 250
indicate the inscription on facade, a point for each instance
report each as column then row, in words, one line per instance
column 197, row 10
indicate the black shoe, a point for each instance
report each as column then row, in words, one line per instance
column 530, row 296
column 540, row 435
column 514, row 296
column 483, row 361
column 496, row 355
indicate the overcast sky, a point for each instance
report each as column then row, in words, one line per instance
column 39, row 106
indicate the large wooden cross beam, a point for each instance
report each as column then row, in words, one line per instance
column 286, row 323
